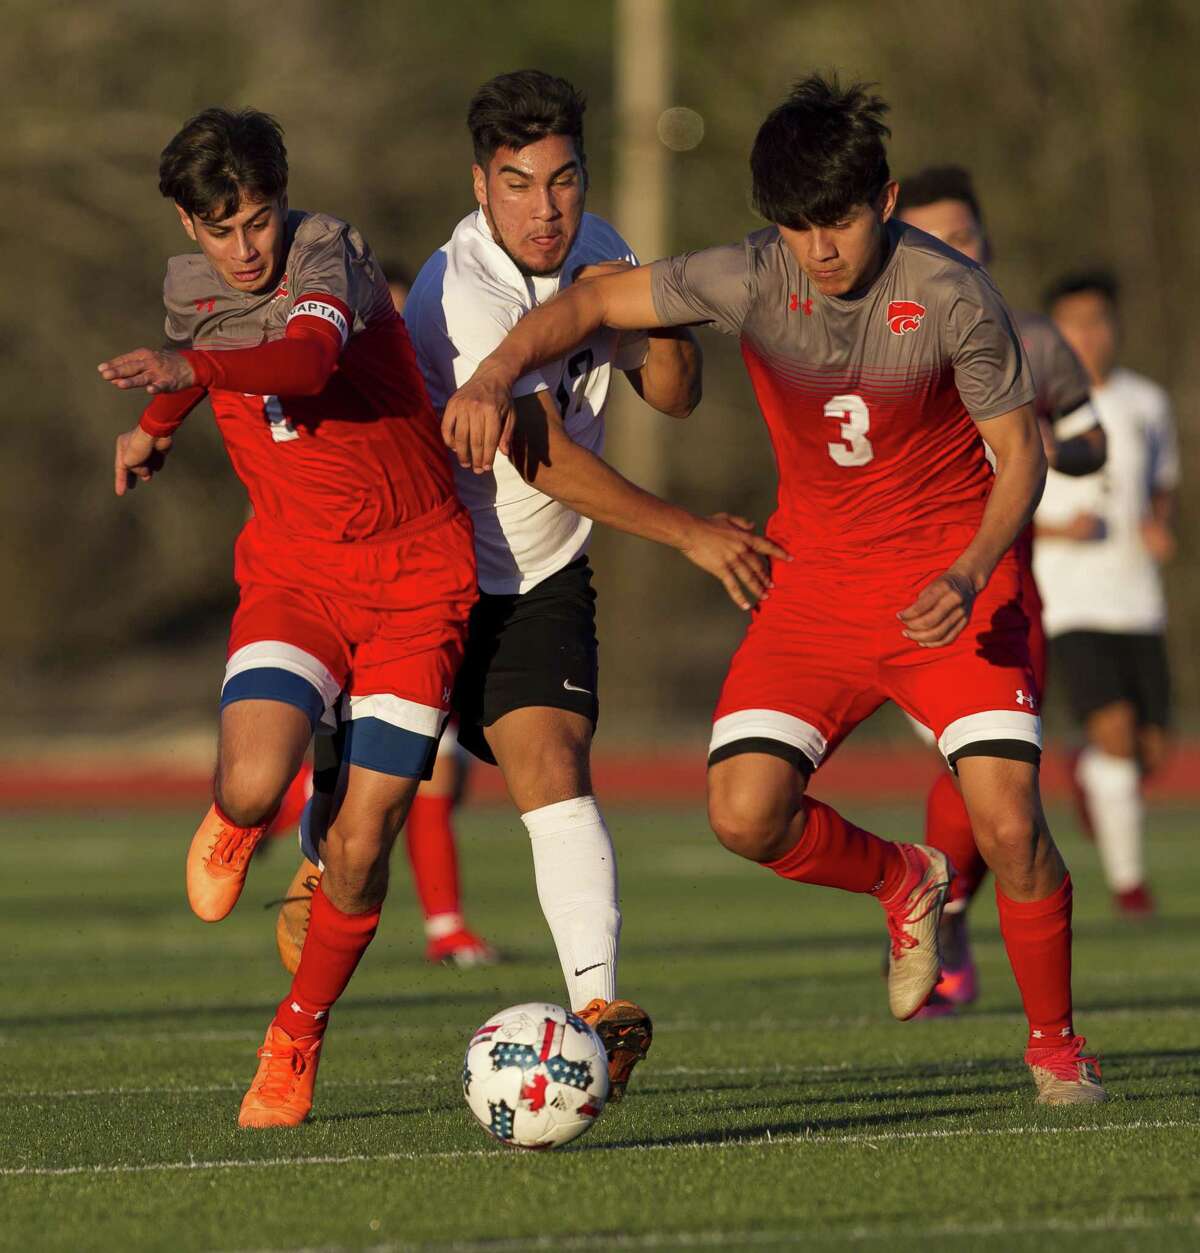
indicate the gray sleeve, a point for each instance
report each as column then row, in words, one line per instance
column 183, row 302
column 990, row 368
column 714, row 286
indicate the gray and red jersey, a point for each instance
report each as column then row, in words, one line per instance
column 1062, row 383
column 871, row 401
column 314, row 385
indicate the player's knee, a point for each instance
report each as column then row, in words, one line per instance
column 249, row 793
column 746, row 823
column 1007, row 836
column 358, row 861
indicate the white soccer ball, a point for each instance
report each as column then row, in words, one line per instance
column 535, row 1076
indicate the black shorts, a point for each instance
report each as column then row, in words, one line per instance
column 1100, row 668
column 535, row 648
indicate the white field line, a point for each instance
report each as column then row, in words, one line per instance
column 349, row 1030
column 403, row 1081
column 767, row 1141
column 730, row 1239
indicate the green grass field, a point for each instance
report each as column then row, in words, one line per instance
column 781, row 1106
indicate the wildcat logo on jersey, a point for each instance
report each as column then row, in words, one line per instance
column 904, row 316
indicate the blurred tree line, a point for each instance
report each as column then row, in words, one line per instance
column 1075, row 117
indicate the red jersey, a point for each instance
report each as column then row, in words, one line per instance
column 315, row 388
column 871, row 401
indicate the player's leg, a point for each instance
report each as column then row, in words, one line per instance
column 282, row 677
column 345, row 911
column 1101, row 670
column 758, row 809
column 527, row 701
column 433, row 857
column 1033, row 897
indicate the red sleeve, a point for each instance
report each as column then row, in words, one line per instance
column 299, row 364
column 166, row 412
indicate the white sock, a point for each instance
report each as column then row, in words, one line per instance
column 576, row 873
column 1112, row 786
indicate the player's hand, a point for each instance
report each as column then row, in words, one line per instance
column 139, row 457
column 728, row 548
column 1083, row 528
column 1159, row 541
column 936, row 618
column 478, row 419
column 144, row 367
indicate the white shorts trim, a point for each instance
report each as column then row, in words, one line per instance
column 769, row 724
column 396, row 712
column 276, row 655
column 995, row 724
column 1079, row 420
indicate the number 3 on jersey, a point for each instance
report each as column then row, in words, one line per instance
column 852, row 414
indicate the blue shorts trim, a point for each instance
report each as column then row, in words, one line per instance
column 271, row 683
column 378, row 745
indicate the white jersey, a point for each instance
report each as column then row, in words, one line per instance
column 465, row 300
column 1111, row 583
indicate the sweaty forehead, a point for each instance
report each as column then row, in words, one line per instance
column 541, row 159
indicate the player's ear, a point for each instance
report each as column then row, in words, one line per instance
column 886, row 204
column 185, row 219
column 479, row 184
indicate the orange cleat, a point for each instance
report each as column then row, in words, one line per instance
column 626, row 1032
column 216, row 865
column 291, row 924
column 282, row 1092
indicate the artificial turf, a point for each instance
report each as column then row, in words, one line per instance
column 780, row 1107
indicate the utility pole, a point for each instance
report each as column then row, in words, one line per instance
column 634, row 573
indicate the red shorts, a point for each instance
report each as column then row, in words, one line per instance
column 826, row 649
column 379, row 623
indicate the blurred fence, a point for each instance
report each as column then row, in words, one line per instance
column 1076, row 118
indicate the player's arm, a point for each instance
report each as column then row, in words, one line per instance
column 299, row 364
column 478, row 418
column 546, row 457
column 669, row 379
column 943, row 608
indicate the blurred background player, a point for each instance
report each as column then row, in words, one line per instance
column 1100, row 543
column 429, row 837
column 941, row 201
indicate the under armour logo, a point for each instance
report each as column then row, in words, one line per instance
column 795, row 303
column 316, row 1017
column 206, row 306
column 1024, row 698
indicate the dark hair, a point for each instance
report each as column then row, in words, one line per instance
column 1098, row 282
column 512, row 110
column 819, row 154
column 220, row 155
column 938, row 182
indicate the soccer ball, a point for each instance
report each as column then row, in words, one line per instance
column 535, row 1076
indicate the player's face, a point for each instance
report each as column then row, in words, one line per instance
column 1089, row 324
column 953, row 223
column 533, row 199
column 246, row 248
column 842, row 258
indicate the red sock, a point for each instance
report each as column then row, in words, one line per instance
column 432, row 854
column 835, row 853
column 1037, row 935
column 332, row 949
column 948, row 828
column 294, row 800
